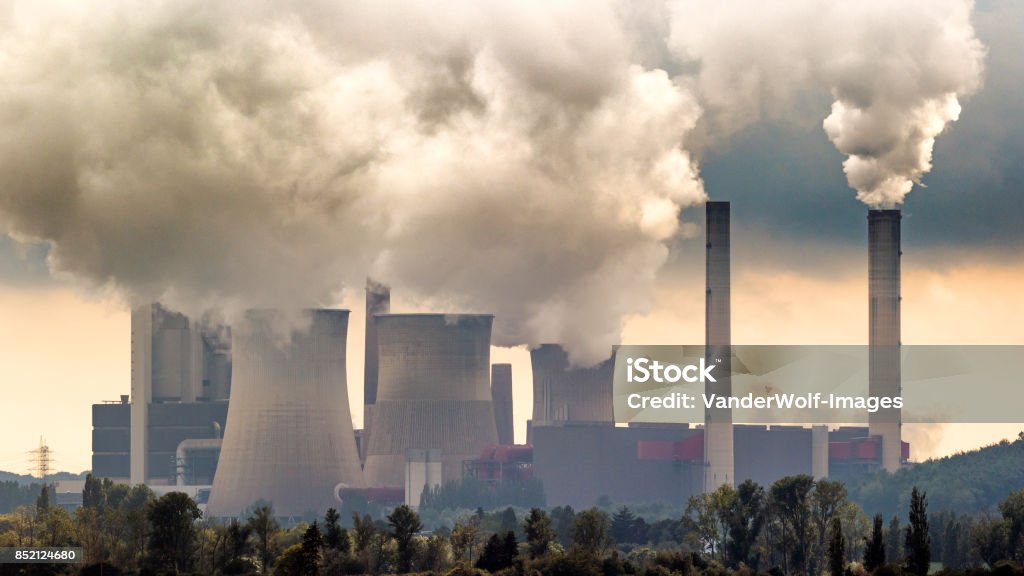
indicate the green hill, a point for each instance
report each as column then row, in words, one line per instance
column 968, row 482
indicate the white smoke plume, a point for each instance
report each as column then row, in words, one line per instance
column 896, row 72
column 527, row 159
column 483, row 157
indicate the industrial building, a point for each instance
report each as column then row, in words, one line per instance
column 181, row 378
column 290, row 441
column 433, row 393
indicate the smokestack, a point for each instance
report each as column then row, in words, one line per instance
column 718, row 431
column 884, row 329
column 289, row 438
column 501, row 397
column 433, row 394
column 564, row 393
column 378, row 301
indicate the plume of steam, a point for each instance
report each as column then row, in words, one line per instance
column 489, row 157
column 896, row 73
column 526, row 159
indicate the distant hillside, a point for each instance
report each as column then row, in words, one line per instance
column 968, row 482
column 26, row 479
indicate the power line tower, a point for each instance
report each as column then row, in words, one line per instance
column 42, row 457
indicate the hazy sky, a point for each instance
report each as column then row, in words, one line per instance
column 554, row 118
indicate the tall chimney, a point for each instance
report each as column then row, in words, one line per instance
column 501, row 397
column 884, row 329
column 378, row 301
column 718, row 440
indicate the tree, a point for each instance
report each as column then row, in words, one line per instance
column 1012, row 510
column 364, row 531
column 874, row 551
column 590, row 533
column 836, row 548
column 92, row 493
column 826, row 500
column 562, row 520
column 263, row 525
column 499, row 553
column 745, row 519
column 709, row 515
column 539, row 533
column 989, row 538
column 790, row 502
column 627, row 526
column 312, row 550
column 918, row 541
column 509, row 522
column 894, row 540
column 172, row 536
column 405, row 523
column 43, row 502
column 463, row 538
column 335, row 537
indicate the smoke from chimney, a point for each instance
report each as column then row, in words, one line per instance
column 523, row 159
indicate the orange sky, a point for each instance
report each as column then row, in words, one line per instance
column 63, row 350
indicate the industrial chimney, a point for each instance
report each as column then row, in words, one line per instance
column 433, row 393
column 501, row 397
column 378, row 301
column 884, row 329
column 289, row 438
column 718, row 429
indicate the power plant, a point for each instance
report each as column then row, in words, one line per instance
column 289, row 439
column 436, row 410
column 433, row 394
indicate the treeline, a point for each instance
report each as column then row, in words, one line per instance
column 797, row 525
column 966, row 483
column 470, row 493
column 16, row 494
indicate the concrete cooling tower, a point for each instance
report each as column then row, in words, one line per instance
column 564, row 393
column 289, row 438
column 884, row 329
column 433, row 393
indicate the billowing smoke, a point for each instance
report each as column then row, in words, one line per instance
column 484, row 156
column 527, row 159
column 896, row 72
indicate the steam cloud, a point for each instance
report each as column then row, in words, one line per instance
column 524, row 159
column 896, row 73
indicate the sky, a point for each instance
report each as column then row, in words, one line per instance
column 542, row 186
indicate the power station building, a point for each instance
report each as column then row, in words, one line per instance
column 181, row 377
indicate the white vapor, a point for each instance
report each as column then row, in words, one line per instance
column 484, row 157
column 896, row 72
column 527, row 159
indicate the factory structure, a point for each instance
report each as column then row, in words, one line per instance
column 259, row 412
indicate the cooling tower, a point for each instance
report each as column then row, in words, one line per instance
column 884, row 329
column 718, row 431
column 289, row 438
column 433, row 393
column 378, row 301
column 501, row 397
column 564, row 393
